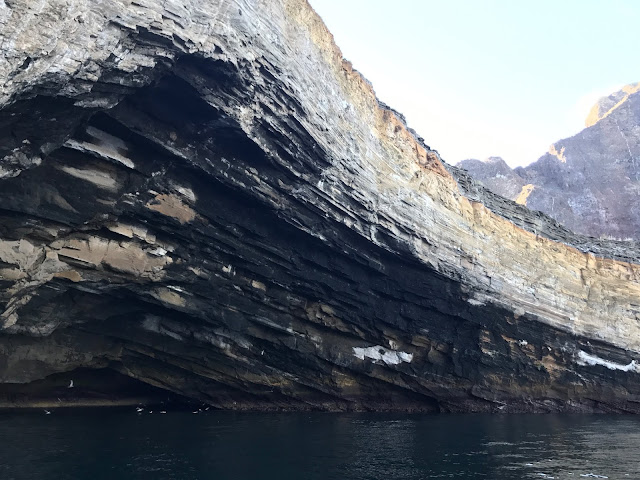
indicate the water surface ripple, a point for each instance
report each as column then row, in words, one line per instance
column 117, row 444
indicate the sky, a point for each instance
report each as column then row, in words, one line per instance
column 480, row 78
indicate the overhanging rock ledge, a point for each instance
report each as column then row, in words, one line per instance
column 205, row 197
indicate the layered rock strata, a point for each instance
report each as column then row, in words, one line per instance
column 205, row 197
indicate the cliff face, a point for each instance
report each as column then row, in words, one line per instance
column 607, row 105
column 497, row 176
column 204, row 197
column 589, row 182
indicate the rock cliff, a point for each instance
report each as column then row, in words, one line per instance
column 589, row 182
column 206, row 198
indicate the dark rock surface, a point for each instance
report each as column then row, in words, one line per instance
column 206, row 198
column 589, row 182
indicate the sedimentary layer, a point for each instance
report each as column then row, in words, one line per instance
column 206, row 197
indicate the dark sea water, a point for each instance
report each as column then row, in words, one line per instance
column 121, row 444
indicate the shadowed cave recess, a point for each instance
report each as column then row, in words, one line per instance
column 153, row 245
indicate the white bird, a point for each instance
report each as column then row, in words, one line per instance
column 163, row 411
column 197, row 411
column 138, row 409
column 47, row 412
column 70, row 384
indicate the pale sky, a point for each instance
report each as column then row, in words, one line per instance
column 480, row 78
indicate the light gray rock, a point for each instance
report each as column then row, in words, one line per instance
column 589, row 182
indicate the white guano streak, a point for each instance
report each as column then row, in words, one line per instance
column 585, row 358
column 382, row 354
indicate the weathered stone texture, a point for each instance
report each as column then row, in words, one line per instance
column 206, row 197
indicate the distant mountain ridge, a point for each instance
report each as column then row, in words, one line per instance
column 589, row 182
column 608, row 104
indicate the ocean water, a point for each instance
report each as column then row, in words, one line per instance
column 119, row 444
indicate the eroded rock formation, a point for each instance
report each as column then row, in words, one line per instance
column 205, row 197
column 588, row 182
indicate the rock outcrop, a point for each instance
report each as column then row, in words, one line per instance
column 497, row 176
column 589, row 182
column 205, row 197
column 610, row 103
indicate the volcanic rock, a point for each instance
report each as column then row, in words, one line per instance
column 207, row 198
column 589, row 182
